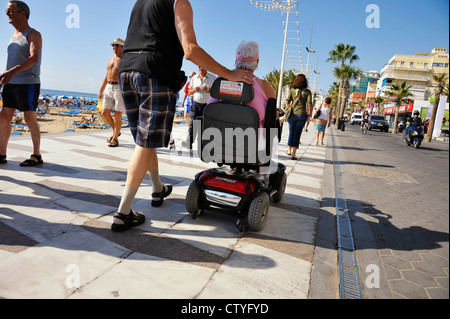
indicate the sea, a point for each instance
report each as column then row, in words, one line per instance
column 87, row 96
column 90, row 96
column 53, row 93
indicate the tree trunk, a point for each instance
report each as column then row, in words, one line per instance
column 397, row 112
column 429, row 136
column 345, row 98
column 339, row 101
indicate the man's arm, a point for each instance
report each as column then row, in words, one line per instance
column 184, row 23
column 35, row 41
column 102, row 89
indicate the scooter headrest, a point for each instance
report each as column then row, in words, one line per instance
column 225, row 90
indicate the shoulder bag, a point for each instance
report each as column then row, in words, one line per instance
column 318, row 113
column 289, row 111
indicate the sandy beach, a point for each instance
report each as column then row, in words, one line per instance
column 55, row 122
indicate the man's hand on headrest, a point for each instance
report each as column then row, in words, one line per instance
column 239, row 75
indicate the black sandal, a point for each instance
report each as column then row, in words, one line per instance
column 33, row 161
column 158, row 198
column 114, row 143
column 109, row 140
column 3, row 159
column 134, row 219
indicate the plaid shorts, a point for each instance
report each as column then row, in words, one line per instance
column 150, row 109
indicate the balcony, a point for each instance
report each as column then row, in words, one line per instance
column 393, row 67
column 407, row 77
column 419, row 92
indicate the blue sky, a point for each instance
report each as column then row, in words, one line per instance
column 74, row 59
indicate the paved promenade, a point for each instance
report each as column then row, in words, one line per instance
column 56, row 242
column 55, row 238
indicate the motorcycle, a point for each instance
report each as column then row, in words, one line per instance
column 414, row 136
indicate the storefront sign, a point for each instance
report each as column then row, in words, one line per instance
column 407, row 108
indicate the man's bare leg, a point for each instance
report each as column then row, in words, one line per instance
column 6, row 116
column 35, row 131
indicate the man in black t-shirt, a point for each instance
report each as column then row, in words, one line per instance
column 160, row 33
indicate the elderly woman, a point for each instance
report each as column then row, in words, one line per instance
column 247, row 58
column 300, row 100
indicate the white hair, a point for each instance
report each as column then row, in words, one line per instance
column 247, row 50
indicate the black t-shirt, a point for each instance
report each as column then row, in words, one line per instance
column 416, row 121
column 152, row 46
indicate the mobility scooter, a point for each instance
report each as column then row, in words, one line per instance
column 246, row 177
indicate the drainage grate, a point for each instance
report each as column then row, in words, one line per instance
column 350, row 285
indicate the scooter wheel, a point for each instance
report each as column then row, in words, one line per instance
column 193, row 200
column 279, row 195
column 258, row 212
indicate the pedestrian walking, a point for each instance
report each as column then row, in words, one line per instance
column 200, row 89
column 21, row 81
column 112, row 95
column 323, row 120
column 300, row 100
column 188, row 101
column 151, row 76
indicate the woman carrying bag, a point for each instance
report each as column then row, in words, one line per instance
column 323, row 118
column 299, row 101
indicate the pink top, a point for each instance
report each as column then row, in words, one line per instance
column 259, row 103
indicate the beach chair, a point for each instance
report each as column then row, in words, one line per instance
column 42, row 111
column 125, row 123
column 22, row 128
column 18, row 118
column 86, row 123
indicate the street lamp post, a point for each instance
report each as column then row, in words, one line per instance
column 316, row 72
column 310, row 51
column 287, row 6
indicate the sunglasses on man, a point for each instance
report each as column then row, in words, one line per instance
column 9, row 11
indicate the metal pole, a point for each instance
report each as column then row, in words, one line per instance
column 284, row 54
column 309, row 53
column 315, row 78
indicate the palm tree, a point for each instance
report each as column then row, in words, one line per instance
column 346, row 74
column 342, row 53
column 379, row 101
column 274, row 78
column 441, row 80
column 333, row 91
column 401, row 93
column 446, row 89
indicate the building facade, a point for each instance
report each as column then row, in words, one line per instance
column 360, row 86
column 417, row 70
